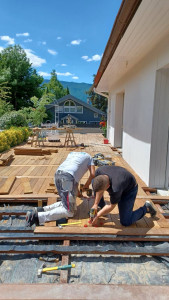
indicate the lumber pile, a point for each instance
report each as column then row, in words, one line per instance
column 31, row 151
column 34, row 151
column 6, row 158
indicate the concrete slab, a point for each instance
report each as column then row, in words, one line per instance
column 81, row 291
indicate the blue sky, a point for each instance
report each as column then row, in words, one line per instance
column 69, row 35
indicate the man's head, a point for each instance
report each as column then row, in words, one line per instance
column 101, row 183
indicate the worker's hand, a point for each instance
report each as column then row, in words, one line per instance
column 95, row 220
column 85, row 187
column 95, row 207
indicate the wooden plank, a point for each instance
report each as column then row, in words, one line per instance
column 5, row 189
column 26, row 185
column 153, row 197
column 65, row 261
column 101, row 230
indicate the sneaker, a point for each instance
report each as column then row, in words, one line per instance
column 31, row 219
column 150, row 208
column 39, row 209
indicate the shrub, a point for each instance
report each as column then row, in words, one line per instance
column 12, row 137
column 13, row 118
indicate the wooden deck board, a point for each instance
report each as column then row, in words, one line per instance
column 40, row 171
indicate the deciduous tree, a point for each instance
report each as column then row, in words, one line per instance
column 23, row 81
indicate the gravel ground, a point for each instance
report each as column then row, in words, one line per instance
column 93, row 269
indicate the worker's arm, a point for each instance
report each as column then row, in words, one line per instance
column 104, row 211
column 92, row 175
column 98, row 196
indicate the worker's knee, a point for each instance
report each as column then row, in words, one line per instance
column 125, row 222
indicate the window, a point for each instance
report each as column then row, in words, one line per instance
column 70, row 107
column 59, row 108
column 66, row 109
column 79, row 109
column 95, row 115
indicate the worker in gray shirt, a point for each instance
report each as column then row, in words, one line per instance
column 67, row 177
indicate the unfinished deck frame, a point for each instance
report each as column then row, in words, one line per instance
column 39, row 173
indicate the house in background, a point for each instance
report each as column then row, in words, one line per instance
column 134, row 73
column 80, row 113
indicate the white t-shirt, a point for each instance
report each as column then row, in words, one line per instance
column 76, row 164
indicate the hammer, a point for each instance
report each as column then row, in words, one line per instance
column 43, row 269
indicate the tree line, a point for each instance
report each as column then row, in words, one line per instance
column 22, row 90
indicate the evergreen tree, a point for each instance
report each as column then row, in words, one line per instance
column 97, row 101
column 54, row 87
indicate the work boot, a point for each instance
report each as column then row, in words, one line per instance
column 31, row 219
column 39, row 209
column 150, row 208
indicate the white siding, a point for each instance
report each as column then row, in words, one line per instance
column 160, row 130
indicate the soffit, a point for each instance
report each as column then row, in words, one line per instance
column 149, row 25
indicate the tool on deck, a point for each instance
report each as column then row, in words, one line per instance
column 99, row 160
column 43, row 268
column 93, row 213
column 67, row 224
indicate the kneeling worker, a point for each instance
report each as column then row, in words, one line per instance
column 67, row 177
column 122, row 188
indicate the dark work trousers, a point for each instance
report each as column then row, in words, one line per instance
column 126, row 204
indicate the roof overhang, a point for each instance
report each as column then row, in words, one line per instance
column 123, row 19
column 139, row 27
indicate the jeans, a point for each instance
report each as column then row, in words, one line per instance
column 67, row 190
column 126, row 204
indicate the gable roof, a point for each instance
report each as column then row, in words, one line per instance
column 70, row 97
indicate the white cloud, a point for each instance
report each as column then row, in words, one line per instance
column 1, row 48
column 64, row 65
column 27, row 41
column 76, row 42
column 95, row 57
column 64, row 74
column 7, row 39
column 22, row 34
column 85, row 57
column 34, row 59
column 59, row 38
column 52, row 52
column 44, row 43
column 75, row 77
column 44, row 74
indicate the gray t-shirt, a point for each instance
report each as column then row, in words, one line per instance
column 76, row 164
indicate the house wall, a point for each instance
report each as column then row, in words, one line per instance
column 139, row 88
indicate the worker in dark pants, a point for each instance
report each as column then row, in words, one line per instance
column 122, row 188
